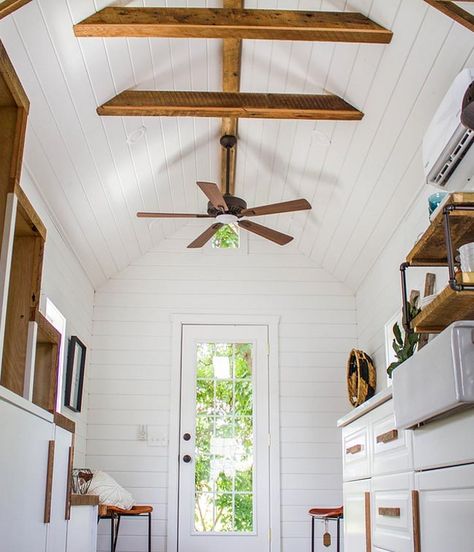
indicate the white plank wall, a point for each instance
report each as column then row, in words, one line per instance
column 65, row 283
column 130, row 371
column 379, row 297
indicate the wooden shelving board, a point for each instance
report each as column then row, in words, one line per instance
column 430, row 249
column 448, row 307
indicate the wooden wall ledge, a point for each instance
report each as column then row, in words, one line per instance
column 84, row 500
column 64, row 423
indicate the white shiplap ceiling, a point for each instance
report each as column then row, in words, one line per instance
column 360, row 184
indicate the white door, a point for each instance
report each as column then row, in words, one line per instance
column 446, row 509
column 24, row 446
column 355, row 515
column 58, row 526
column 224, row 441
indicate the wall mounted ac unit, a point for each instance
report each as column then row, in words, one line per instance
column 448, row 155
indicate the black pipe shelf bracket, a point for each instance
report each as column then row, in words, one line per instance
column 448, row 211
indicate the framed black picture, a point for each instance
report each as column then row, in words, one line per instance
column 76, row 361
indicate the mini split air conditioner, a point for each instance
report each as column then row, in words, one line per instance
column 448, row 152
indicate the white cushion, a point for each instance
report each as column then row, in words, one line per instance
column 110, row 492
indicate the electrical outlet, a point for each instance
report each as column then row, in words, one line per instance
column 157, row 437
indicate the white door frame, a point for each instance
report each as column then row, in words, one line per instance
column 272, row 322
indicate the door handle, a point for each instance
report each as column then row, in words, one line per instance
column 187, row 458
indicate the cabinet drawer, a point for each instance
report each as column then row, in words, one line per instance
column 392, row 512
column 391, row 448
column 355, row 452
column 444, row 443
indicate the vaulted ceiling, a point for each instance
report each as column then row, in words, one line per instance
column 95, row 173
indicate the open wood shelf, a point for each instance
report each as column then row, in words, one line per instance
column 23, row 294
column 430, row 249
column 46, row 363
column 448, row 307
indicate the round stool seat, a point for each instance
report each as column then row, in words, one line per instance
column 326, row 513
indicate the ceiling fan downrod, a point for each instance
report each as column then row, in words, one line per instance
column 228, row 141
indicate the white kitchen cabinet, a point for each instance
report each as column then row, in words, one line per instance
column 446, row 498
column 58, row 526
column 356, row 515
column 421, row 482
column 25, row 437
column 82, row 529
column 392, row 512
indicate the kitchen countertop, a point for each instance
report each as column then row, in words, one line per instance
column 369, row 405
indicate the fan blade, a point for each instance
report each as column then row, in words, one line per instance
column 205, row 236
column 214, row 195
column 268, row 233
column 274, row 208
column 172, row 215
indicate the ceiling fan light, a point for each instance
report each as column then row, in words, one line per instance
column 226, row 218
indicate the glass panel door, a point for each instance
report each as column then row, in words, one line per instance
column 224, row 445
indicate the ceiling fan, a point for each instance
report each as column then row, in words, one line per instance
column 229, row 209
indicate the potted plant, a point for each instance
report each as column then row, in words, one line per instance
column 405, row 344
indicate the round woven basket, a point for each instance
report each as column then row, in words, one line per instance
column 361, row 377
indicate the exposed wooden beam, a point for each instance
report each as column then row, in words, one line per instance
column 9, row 6
column 231, row 70
column 232, row 23
column 230, row 104
column 457, row 13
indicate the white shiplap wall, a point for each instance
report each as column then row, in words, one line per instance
column 65, row 283
column 379, row 297
column 131, row 360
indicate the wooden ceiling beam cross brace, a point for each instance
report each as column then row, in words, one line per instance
column 457, row 13
column 231, row 70
column 233, row 23
column 140, row 103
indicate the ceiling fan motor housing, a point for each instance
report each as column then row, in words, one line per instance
column 235, row 205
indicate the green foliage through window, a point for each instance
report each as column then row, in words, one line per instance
column 224, row 481
column 227, row 237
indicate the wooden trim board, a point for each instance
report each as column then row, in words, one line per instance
column 9, row 6
column 232, row 23
column 64, row 423
column 454, row 11
column 84, row 500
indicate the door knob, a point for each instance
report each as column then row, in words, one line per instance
column 187, row 437
column 187, row 458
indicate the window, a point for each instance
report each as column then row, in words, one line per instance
column 54, row 316
column 227, row 237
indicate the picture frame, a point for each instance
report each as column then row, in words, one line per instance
column 76, row 361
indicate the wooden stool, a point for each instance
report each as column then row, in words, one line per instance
column 115, row 514
column 327, row 514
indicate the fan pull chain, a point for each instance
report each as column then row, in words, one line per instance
column 327, row 535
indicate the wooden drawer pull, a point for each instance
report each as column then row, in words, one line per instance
column 390, row 512
column 388, row 437
column 355, row 449
column 368, row 524
column 67, row 512
column 49, row 482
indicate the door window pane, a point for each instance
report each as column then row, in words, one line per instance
column 224, row 470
